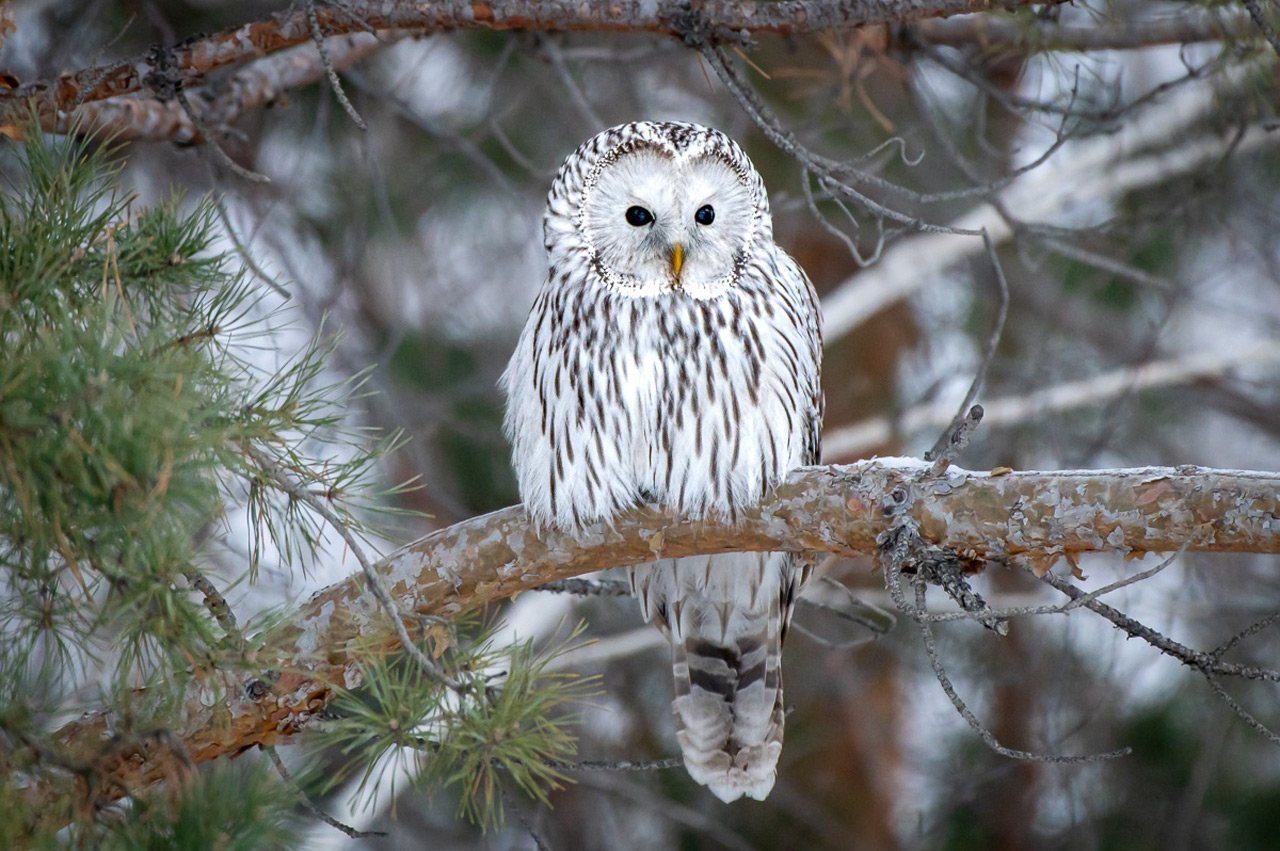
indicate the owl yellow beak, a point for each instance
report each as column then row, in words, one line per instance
column 677, row 259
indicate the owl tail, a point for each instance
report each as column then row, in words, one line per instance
column 728, row 684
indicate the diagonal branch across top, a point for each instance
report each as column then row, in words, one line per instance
column 722, row 18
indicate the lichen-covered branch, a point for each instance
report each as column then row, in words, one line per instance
column 840, row 509
column 713, row 19
column 254, row 86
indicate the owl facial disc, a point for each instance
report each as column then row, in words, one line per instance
column 659, row 216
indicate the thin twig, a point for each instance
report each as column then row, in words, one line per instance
column 615, row 764
column 576, row 95
column 953, row 441
column 1263, row 25
column 1058, row 608
column 310, row 805
column 1252, row 629
column 243, row 251
column 947, row 446
column 1206, row 663
column 942, row 567
column 1244, row 714
column 895, row 550
column 935, row 662
column 764, row 118
column 218, row 150
column 317, row 35
column 511, row 804
column 380, row 593
column 878, row 623
column 588, row 587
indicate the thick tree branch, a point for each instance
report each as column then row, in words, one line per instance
column 257, row 85
column 712, row 19
column 864, row 437
column 837, row 509
column 1005, row 36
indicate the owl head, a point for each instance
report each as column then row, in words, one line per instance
column 657, row 207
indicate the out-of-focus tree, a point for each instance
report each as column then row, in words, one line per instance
column 1064, row 212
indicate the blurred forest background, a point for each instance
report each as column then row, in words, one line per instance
column 1139, row 241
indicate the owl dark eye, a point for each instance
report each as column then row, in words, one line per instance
column 705, row 215
column 639, row 217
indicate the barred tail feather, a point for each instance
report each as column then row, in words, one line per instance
column 728, row 710
column 725, row 616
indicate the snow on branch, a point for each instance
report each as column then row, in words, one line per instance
column 845, row 509
column 166, row 69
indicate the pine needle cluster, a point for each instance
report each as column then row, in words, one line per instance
column 130, row 419
column 133, row 420
column 505, row 721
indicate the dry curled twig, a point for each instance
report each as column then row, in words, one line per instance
column 901, row 549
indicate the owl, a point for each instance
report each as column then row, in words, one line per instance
column 673, row 356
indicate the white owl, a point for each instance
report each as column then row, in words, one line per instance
column 673, row 355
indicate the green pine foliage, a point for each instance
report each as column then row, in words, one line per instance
column 505, row 721
column 231, row 807
column 108, row 380
column 126, row 419
column 132, row 420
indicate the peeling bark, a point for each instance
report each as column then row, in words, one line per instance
column 713, row 19
column 259, row 84
column 839, row 509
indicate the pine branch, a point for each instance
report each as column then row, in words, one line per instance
column 840, row 509
column 713, row 20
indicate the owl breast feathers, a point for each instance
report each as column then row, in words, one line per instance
column 674, row 355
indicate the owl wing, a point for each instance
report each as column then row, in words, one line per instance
column 573, row 408
column 808, row 322
column 727, row 615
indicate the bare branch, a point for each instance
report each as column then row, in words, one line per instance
column 617, row 764
column 714, row 19
column 258, row 84
column 1207, row 663
column 305, row 800
column 834, row 509
column 1088, row 172
column 952, row 441
column 864, row 437
column 901, row 546
column 967, row 418
column 1264, row 26
column 317, row 35
column 1004, row 36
